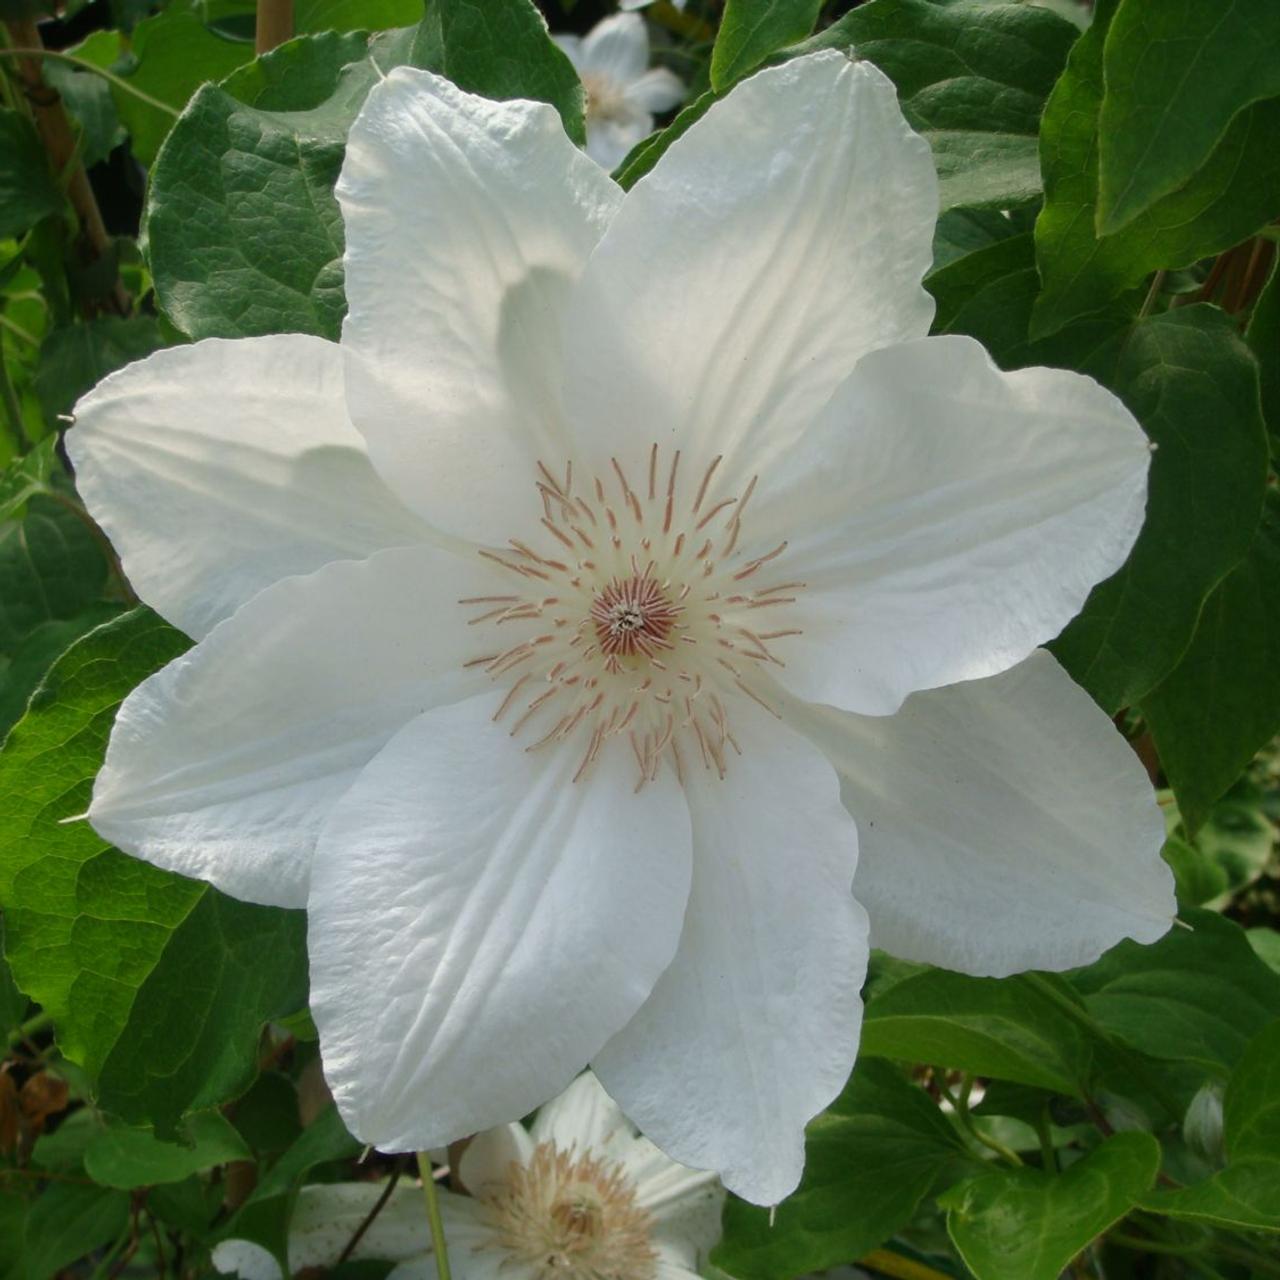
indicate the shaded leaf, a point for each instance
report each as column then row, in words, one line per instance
column 27, row 189
column 750, row 30
column 126, row 1158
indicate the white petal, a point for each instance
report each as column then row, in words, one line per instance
column 754, row 1027
column 224, row 764
column 474, row 1253
column 617, row 49
column 946, row 519
column 220, row 468
column 1005, row 824
column 583, row 1116
column 657, row 90
column 686, row 1204
column 328, row 1215
column 608, row 141
column 245, row 1259
column 782, row 237
column 487, row 1158
column 509, row 919
column 571, row 47
column 466, row 221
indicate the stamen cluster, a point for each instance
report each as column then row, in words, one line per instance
column 639, row 621
column 572, row 1217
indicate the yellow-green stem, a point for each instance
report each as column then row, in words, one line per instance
column 434, row 1221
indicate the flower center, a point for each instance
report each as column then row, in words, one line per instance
column 641, row 616
column 571, row 1217
column 605, row 100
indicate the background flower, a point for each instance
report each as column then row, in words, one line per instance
column 623, row 92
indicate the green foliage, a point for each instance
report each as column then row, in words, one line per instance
column 1030, row 1223
column 1222, row 704
column 870, row 1159
column 155, row 983
column 76, row 358
column 1233, row 193
column 1177, row 74
column 972, row 77
column 28, row 191
column 501, row 49
column 753, row 29
column 125, row 1158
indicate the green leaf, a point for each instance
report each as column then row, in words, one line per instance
column 127, row 1158
column 88, row 96
column 27, row 189
column 1192, row 384
column 502, row 49
column 173, row 54
column 972, row 77
column 1028, row 1224
column 1235, row 192
column 647, row 152
column 1199, row 995
column 156, row 984
column 1266, row 945
column 22, row 672
column 312, row 17
column 1247, row 1192
column 24, row 477
column 52, row 568
column 75, row 359
column 751, row 30
column 245, row 234
column 1263, row 337
column 264, row 1217
column 1177, row 73
column 67, row 1221
column 870, row 1159
column 989, row 1026
column 1221, row 704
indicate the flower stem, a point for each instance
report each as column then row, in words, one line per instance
column 894, row 1264
column 433, row 1217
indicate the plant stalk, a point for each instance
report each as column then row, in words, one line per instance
column 438, row 1246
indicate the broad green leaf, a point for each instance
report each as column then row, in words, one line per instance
column 172, row 55
column 126, row 1158
column 1177, row 73
column 1263, row 336
column 1266, row 945
column 52, row 568
column 245, row 234
column 1247, row 1192
column 1029, row 1224
column 67, row 1221
column 156, row 984
column 973, row 77
column 26, row 476
column 960, row 232
column 1235, row 192
column 1238, row 837
column 1192, row 384
column 88, row 96
column 870, row 1159
column 13, row 1004
column 750, row 30
column 985, row 1025
column 1199, row 995
column 312, row 17
column 264, row 1217
column 502, row 49
column 1221, row 704
column 76, row 358
column 28, row 191
column 22, row 671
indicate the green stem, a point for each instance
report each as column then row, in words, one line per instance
column 18, row 331
column 32, row 1027
column 12, row 408
column 960, row 1105
column 1044, row 1131
column 433, row 1217
column 85, row 65
column 1157, row 283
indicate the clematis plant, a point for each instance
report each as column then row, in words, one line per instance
column 631, row 621
column 578, row 1196
column 623, row 92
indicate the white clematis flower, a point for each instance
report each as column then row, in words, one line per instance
column 623, row 92
column 732, row 556
column 579, row 1196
